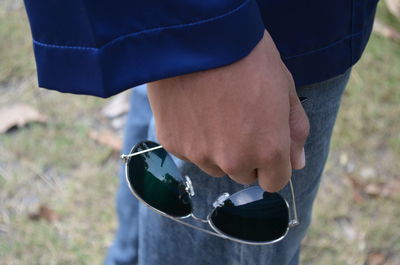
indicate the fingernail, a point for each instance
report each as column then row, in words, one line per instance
column 302, row 159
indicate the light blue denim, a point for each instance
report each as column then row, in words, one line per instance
column 144, row 237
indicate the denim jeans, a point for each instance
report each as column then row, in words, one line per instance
column 144, row 237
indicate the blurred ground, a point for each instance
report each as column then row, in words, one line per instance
column 57, row 183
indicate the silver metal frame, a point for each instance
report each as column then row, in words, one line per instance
column 293, row 221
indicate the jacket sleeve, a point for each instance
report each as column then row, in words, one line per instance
column 100, row 48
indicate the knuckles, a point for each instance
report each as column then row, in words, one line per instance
column 301, row 130
column 231, row 165
column 167, row 145
column 244, row 180
column 273, row 187
column 238, row 165
column 171, row 147
column 274, row 152
column 199, row 158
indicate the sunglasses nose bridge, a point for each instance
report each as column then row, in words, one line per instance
column 188, row 186
column 221, row 199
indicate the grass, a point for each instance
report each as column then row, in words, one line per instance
column 58, row 165
column 17, row 60
column 365, row 148
column 54, row 164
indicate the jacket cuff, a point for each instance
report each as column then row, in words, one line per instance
column 150, row 55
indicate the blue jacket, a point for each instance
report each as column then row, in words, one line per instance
column 101, row 48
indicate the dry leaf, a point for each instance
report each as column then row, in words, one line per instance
column 376, row 258
column 374, row 190
column 17, row 116
column 107, row 138
column 386, row 30
column 44, row 213
column 394, row 7
column 388, row 188
column 357, row 188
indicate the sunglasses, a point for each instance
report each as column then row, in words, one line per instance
column 251, row 216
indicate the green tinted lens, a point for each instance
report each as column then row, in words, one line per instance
column 252, row 215
column 154, row 177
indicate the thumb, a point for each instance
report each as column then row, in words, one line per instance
column 299, row 130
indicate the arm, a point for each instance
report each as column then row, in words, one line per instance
column 224, row 105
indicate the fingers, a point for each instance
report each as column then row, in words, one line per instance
column 238, row 169
column 212, row 170
column 297, row 157
column 245, row 178
column 299, row 130
column 206, row 164
column 275, row 173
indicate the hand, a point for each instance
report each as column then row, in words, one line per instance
column 244, row 119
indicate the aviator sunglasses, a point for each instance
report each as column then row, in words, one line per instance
column 251, row 216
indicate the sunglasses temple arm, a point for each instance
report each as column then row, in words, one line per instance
column 294, row 219
column 125, row 157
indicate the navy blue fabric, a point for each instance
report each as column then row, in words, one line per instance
column 101, row 48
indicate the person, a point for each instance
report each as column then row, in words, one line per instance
column 223, row 84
